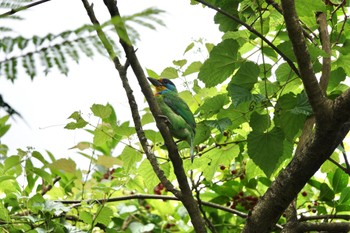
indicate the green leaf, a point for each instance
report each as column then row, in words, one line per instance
column 103, row 134
column 86, row 217
column 290, row 123
column 130, row 157
column 340, row 180
column 259, row 123
column 225, row 23
column 220, row 124
column 4, row 129
column 152, row 73
column 221, row 63
column 304, row 8
column 39, row 157
column 80, row 122
column 212, row 106
column 104, row 216
column 11, row 162
column 180, row 63
column 202, row 133
column 210, row 162
column 246, row 76
column 302, row 105
column 108, row 161
column 284, row 73
column 193, row 68
column 66, row 165
column 344, row 195
column 170, row 73
column 189, row 47
column 101, row 111
column 265, row 149
column 150, row 179
column 43, row 174
column 241, row 95
column 326, row 193
column 4, row 178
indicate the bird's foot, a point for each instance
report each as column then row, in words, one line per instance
column 165, row 118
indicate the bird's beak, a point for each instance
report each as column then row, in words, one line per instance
column 155, row 82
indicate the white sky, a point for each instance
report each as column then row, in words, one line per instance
column 46, row 102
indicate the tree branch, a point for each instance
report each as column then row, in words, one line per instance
column 252, row 30
column 319, row 103
column 339, row 227
column 185, row 196
column 326, row 46
column 133, row 105
column 13, row 11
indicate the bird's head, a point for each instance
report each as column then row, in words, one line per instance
column 162, row 85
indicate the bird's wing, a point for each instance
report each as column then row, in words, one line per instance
column 180, row 107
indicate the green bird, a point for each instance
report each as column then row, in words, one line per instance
column 181, row 120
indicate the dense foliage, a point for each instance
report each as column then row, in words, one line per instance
column 250, row 106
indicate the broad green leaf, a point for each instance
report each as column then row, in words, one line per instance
column 154, row 136
column 338, row 76
column 340, row 180
column 147, row 118
column 80, row 122
column 193, row 68
column 4, row 119
column 4, row 129
column 284, row 73
column 130, row 157
column 304, row 8
column 180, row 63
column 259, row 123
column 210, row 162
column 225, row 23
column 169, row 72
column 246, row 76
column 221, row 124
column 290, row 123
column 104, row 216
column 43, row 174
column 4, row 178
column 221, row 63
column 86, row 217
column 4, row 213
column 213, row 105
column 241, row 95
column 302, row 105
column 108, row 161
column 344, row 195
column 150, row 179
column 101, row 111
column 102, row 134
column 11, row 162
column 265, row 149
column 66, row 165
column 342, row 62
column 202, row 133
column 326, row 193
column 189, row 47
column 39, row 157
column 152, row 73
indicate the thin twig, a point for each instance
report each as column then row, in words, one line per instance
column 13, row 11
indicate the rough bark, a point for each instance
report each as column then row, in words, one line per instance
column 330, row 130
column 185, row 196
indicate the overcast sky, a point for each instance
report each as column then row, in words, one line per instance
column 46, row 102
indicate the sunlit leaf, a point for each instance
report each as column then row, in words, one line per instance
column 265, row 149
column 221, row 63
